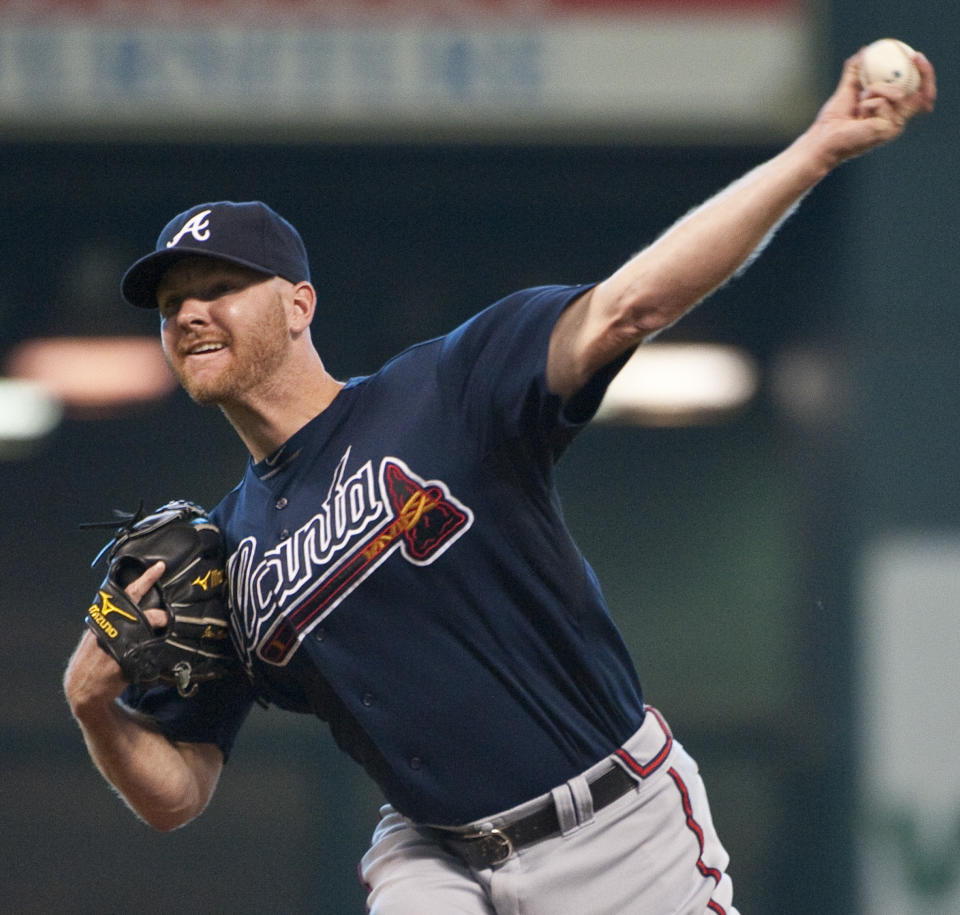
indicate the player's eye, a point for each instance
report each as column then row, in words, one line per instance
column 213, row 291
column 168, row 307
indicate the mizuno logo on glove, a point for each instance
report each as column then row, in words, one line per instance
column 99, row 614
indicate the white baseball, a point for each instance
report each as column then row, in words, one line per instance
column 889, row 61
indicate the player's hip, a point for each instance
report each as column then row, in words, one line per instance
column 639, row 817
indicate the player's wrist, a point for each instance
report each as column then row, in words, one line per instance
column 93, row 702
column 815, row 155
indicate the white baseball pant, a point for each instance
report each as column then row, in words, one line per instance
column 654, row 851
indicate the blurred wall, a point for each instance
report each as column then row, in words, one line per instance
column 729, row 553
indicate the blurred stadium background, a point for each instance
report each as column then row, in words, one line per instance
column 786, row 570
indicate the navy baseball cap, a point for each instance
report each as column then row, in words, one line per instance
column 249, row 234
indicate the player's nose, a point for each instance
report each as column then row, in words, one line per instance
column 193, row 311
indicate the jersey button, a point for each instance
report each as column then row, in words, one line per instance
column 415, row 762
column 367, row 699
column 281, row 503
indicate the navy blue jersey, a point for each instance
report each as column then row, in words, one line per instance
column 401, row 568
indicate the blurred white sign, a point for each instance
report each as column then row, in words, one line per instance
column 562, row 69
column 909, row 824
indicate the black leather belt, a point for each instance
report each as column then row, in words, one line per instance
column 487, row 849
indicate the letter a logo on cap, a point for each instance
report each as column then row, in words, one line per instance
column 197, row 225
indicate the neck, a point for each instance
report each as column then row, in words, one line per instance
column 266, row 420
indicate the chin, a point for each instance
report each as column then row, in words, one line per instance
column 209, row 390
column 203, row 398
column 203, row 393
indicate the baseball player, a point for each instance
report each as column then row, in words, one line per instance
column 399, row 565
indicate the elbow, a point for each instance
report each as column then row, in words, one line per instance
column 163, row 819
column 644, row 307
column 643, row 315
column 162, row 824
column 165, row 823
column 184, row 798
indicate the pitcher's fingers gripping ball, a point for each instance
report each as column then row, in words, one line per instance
column 194, row 644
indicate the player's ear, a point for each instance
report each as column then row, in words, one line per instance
column 303, row 303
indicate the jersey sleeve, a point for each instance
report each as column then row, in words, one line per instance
column 495, row 366
column 213, row 715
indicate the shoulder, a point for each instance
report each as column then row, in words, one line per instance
column 523, row 319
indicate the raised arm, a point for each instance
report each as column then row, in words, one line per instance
column 166, row 784
column 716, row 240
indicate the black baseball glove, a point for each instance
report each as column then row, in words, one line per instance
column 194, row 645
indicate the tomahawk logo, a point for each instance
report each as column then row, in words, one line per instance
column 197, row 225
column 418, row 518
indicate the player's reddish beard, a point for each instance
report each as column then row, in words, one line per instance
column 253, row 354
